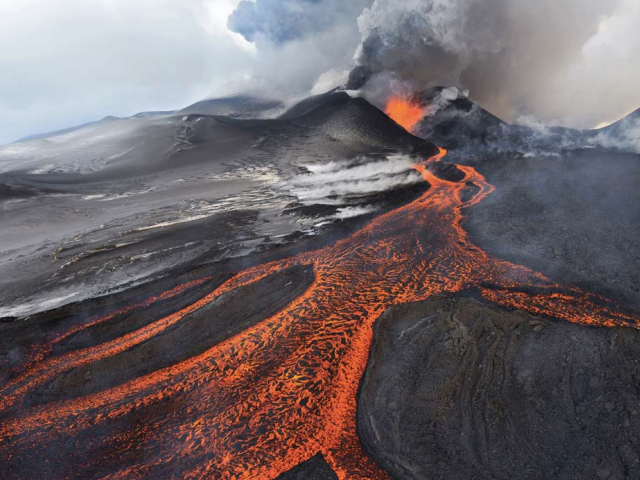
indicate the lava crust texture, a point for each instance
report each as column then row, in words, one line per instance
column 457, row 388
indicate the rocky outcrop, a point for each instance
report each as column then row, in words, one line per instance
column 316, row 468
column 459, row 389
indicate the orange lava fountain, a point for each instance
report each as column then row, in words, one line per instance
column 262, row 402
column 404, row 113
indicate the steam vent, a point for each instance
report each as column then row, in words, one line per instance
column 399, row 270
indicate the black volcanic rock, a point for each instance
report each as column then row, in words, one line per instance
column 618, row 128
column 310, row 104
column 446, row 171
column 455, row 114
column 454, row 121
column 456, row 389
column 10, row 189
column 316, row 468
column 457, row 123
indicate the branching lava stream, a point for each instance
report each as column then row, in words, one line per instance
column 263, row 401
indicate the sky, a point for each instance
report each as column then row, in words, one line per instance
column 67, row 62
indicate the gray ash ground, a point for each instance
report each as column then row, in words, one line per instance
column 122, row 201
column 576, row 218
column 101, row 217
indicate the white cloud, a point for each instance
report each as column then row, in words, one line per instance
column 65, row 62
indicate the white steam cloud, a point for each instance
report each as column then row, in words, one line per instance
column 333, row 182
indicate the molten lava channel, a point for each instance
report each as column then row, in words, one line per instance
column 262, row 402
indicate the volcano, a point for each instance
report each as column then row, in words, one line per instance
column 450, row 118
column 240, row 290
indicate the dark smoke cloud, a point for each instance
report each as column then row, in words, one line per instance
column 569, row 61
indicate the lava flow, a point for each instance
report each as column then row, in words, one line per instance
column 404, row 113
column 284, row 390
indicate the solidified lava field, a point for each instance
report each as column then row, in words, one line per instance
column 256, row 362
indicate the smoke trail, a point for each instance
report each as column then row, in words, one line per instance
column 301, row 43
column 333, row 182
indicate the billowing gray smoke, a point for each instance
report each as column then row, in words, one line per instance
column 567, row 62
column 301, row 42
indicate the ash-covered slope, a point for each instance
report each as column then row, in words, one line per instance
column 121, row 200
column 452, row 119
column 455, row 121
column 622, row 135
column 355, row 122
column 241, row 106
column 460, row 389
column 116, row 148
column 566, row 201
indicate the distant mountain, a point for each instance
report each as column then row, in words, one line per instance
column 623, row 124
column 242, row 106
column 107, row 119
column 64, row 131
column 622, row 135
column 454, row 121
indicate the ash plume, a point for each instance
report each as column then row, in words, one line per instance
column 569, row 63
column 301, row 43
column 561, row 62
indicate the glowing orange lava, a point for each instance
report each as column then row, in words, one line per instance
column 404, row 113
column 262, row 402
